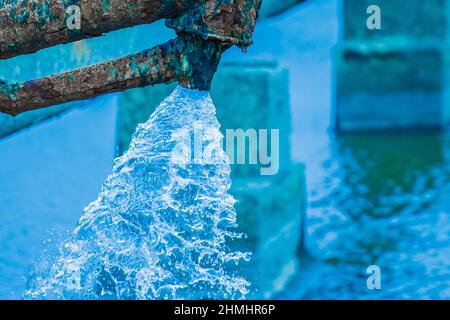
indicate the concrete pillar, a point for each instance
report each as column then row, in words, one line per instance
column 270, row 208
column 394, row 77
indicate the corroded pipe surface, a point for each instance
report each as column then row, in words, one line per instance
column 188, row 59
column 27, row 26
column 231, row 21
column 204, row 32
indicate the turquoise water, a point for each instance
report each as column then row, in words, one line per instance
column 48, row 174
column 160, row 226
column 378, row 199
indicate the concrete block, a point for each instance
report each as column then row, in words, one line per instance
column 255, row 96
column 271, row 212
column 396, row 77
column 415, row 18
column 391, row 86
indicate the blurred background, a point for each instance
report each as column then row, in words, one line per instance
column 364, row 160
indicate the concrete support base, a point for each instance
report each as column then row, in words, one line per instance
column 391, row 86
column 395, row 77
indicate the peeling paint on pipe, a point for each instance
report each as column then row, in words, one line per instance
column 205, row 32
column 231, row 21
column 28, row 26
column 188, row 59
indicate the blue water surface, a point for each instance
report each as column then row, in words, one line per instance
column 47, row 176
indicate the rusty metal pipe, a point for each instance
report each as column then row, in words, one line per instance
column 187, row 59
column 205, row 31
column 28, row 26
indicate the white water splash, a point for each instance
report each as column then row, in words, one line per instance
column 160, row 227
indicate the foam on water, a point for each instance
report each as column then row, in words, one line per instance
column 160, row 227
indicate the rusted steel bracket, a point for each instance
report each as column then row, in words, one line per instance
column 204, row 32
